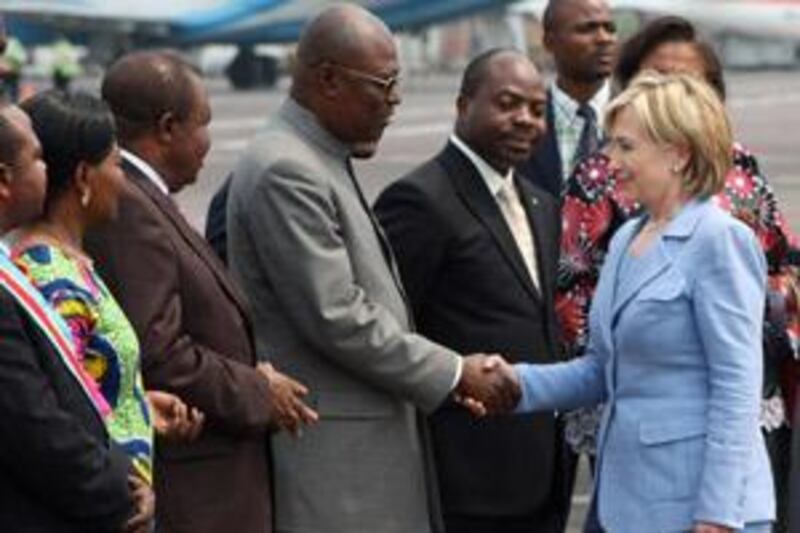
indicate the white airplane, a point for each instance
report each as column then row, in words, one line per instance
column 754, row 18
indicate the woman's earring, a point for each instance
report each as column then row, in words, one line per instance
column 86, row 197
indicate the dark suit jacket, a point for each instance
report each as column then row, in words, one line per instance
column 58, row 472
column 216, row 221
column 470, row 291
column 544, row 168
column 196, row 341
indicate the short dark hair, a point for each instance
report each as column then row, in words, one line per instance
column 476, row 69
column 669, row 29
column 549, row 16
column 10, row 139
column 142, row 87
column 72, row 127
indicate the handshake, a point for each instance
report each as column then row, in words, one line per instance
column 488, row 385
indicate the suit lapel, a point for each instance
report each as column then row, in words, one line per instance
column 479, row 201
column 659, row 258
column 542, row 236
column 167, row 206
column 654, row 262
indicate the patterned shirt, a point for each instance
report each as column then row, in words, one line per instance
column 105, row 340
column 595, row 207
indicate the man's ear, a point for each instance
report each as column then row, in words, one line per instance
column 5, row 182
column 165, row 127
column 462, row 103
column 328, row 80
column 547, row 41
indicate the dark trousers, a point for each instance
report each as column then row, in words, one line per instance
column 794, row 489
column 470, row 524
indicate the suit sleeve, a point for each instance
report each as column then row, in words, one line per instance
column 47, row 450
column 728, row 303
column 233, row 395
column 305, row 253
column 417, row 236
column 562, row 386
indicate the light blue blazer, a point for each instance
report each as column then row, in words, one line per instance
column 675, row 353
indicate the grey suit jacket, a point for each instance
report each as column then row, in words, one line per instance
column 329, row 309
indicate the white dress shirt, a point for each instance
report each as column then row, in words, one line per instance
column 568, row 124
column 145, row 168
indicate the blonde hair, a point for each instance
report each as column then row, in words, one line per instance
column 682, row 110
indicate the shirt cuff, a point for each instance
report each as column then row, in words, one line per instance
column 459, row 371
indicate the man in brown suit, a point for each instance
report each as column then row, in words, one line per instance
column 192, row 321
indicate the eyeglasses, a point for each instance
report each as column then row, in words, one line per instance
column 387, row 85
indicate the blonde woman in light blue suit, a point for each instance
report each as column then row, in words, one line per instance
column 675, row 349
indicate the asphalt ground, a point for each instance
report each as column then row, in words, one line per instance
column 765, row 107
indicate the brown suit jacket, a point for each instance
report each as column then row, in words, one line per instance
column 196, row 340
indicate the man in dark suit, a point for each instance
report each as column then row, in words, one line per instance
column 59, row 472
column 193, row 323
column 581, row 36
column 477, row 249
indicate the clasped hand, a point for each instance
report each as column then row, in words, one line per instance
column 488, row 385
column 290, row 413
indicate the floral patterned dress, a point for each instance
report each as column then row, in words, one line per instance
column 105, row 340
column 594, row 207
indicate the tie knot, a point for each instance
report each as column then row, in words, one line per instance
column 506, row 191
column 587, row 113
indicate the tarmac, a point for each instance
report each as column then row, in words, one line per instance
column 765, row 107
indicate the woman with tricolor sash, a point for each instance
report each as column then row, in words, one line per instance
column 77, row 135
column 60, row 471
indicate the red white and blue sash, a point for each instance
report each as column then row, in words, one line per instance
column 52, row 326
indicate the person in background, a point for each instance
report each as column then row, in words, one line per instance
column 61, row 472
column 66, row 64
column 581, row 36
column 596, row 205
column 675, row 332
column 12, row 59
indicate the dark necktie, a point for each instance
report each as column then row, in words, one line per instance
column 589, row 141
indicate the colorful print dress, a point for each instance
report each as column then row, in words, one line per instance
column 105, row 340
column 594, row 207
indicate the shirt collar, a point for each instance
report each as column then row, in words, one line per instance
column 569, row 107
column 145, row 168
column 493, row 179
column 304, row 120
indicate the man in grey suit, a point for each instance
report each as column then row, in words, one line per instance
column 329, row 306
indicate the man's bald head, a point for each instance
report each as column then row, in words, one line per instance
column 346, row 75
column 555, row 12
column 142, row 87
column 340, row 34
